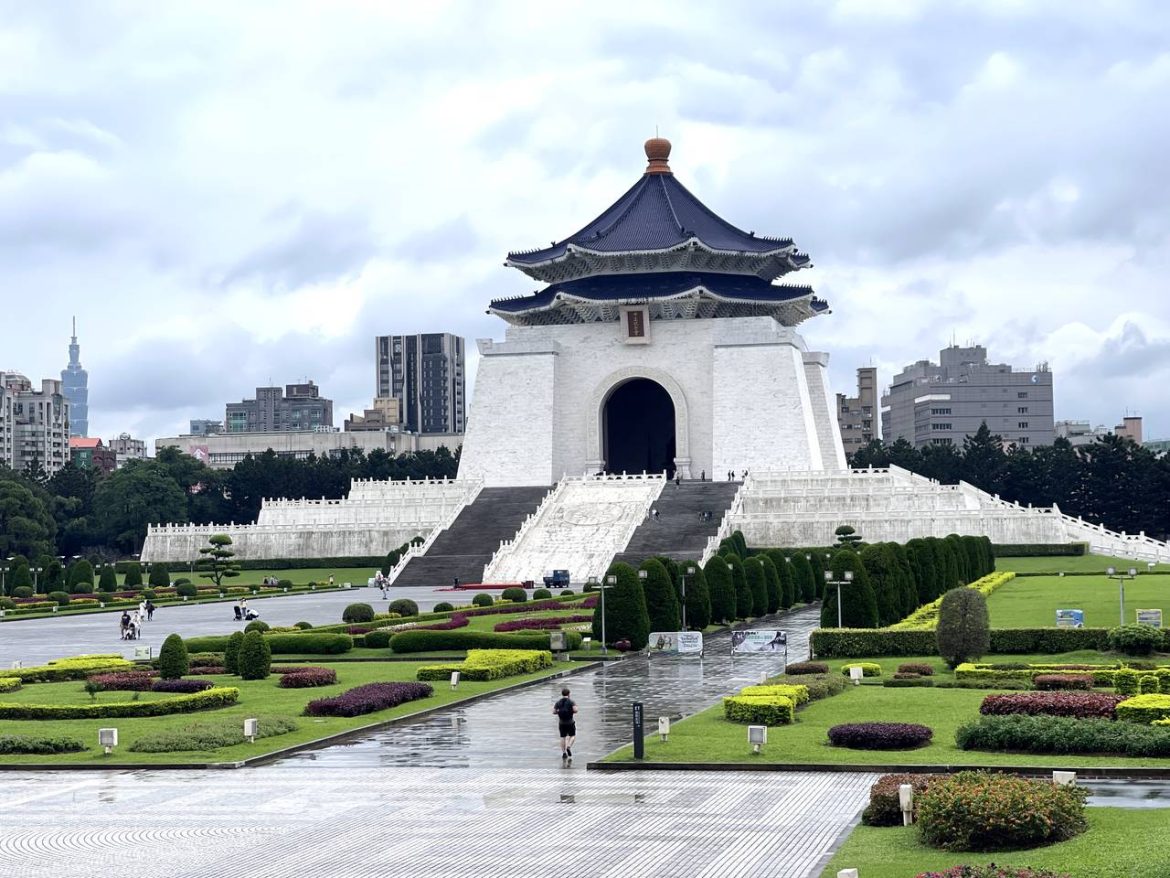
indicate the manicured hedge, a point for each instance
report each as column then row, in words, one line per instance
column 123, row 681
column 1083, row 705
column 209, row 700
column 209, row 735
column 433, row 641
column 907, row 681
column 871, row 643
column 305, row 678
column 868, row 669
column 798, row 694
column 1039, row 550
column 77, row 668
column 991, row 870
column 378, row 639
column 183, row 686
column 1063, row 681
column 311, row 643
column 920, row 668
column 490, row 664
column 12, row 745
column 799, row 668
column 459, row 620
column 880, row 736
column 768, row 710
column 1144, row 708
column 1064, row 735
column 10, row 684
column 547, row 623
column 369, row 698
column 818, row 685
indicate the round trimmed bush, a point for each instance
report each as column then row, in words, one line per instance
column 378, row 639
column 482, row 600
column 541, row 594
column 7, row 604
column 358, row 613
column 231, row 652
column 1135, row 639
column 800, row 668
column 868, row 669
column 566, row 592
column 255, row 656
column 149, row 594
column 980, row 811
column 186, row 590
column 442, row 607
column 284, row 583
column 1148, row 684
column 179, row 581
column 82, row 588
column 172, row 658
column 60, row 597
column 514, row 594
column 256, row 625
column 22, row 591
column 403, row 607
column 880, row 736
column 304, row 626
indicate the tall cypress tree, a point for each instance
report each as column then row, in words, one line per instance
column 802, row 577
column 661, row 602
column 772, row 581
column 757, row 583
column 743, row 595
column 625, row 608
column 721, row 589
column 858, row 603
column 698, row 597
column 884, row 582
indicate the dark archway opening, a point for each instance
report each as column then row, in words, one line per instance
column 638, row 425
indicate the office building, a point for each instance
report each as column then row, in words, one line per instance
column 34, row 424
column 385, row 415
column 126, row 448
column 88, row 453
column 295, row 407
column 942, row 404
column 425, row 374
column 203, row 426
column 856, row 415
column 75, row 386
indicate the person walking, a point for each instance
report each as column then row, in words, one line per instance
column 331, row 580
column 677, row 480
column 566, row 711
column 150, row 611
column 654, row 513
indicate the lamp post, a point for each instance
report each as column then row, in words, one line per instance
column 1121, row 576
column 36, row 579
column 4, row 575
column 689, row 571
column 610, row 581
column 829, row 580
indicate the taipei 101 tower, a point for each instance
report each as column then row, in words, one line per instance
column 75, row 387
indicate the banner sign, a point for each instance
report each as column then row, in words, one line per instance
column 1150, row 617
column 759, row 641
column 1070, row 618
column 676, row 642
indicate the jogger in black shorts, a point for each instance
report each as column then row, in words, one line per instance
column 566, row 710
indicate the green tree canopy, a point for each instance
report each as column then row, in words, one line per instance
column 129, row 499
column 662, row 605
column 858, row 603
column 26, row 525
column 721, row 588
column 625, row 608
column 698, row 596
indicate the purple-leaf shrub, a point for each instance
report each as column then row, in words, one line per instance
column 539, row 624
column 205, row 670
column 368, row 699
column 186, row 687
column 459, row 620
column 308, row 677
column 1081, row 705
column 128, row 681
column 880, row 736
column 1063, row 681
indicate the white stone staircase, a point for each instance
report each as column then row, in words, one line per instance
column 578, row 527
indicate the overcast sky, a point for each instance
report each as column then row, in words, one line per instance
column 232, row 194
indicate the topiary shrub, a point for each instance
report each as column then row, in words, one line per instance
column 662, row 605
column 185, row 687
column 22, row 591
column 720, row 590
column 186, row 590
column 964, row 627
column 1083, row 705
column 880, row 736
column 868, row 669
column 1135, row 639
column 133, row 577
column 369, row 698
column 769, row 710
column 108, row 580
column 231, row 653
column 305, row 678
column 160, row 576
column 800, row 668
column 1148, row 684
column 515, row 594
column 358, row 613
column 920, row 668
column 979, row 811
column 541, row 594
column 566, row 592
column 256, row 625
column 82, row 588
column 284, row 583
column 7, row 604
column 304, row 626
column 1144, row 708
column 378, row 639
column 482, row 600
column 626, row 617
column 858, row 601
column 1064, row 681
column 1126, row 681
column 255, row 660
column 991, row 870
column 440, row 607
column 172, row 658
column 62, row 598
column 403, row 607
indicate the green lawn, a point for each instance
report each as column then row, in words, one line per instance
column 1119, row 842
column 707, row 737
column 1032, row 601
column 1072, row 564
column 256, row 697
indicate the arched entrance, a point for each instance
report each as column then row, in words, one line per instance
column 638, row 428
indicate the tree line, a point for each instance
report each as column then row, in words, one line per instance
column 80, row 511
column 1113, row 481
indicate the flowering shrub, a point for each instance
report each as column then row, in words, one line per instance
column 880, row 736
column 1083, row 705
column 184, row 686
column 306, row 678
column 884, row 807
column 990, row 870
column 979, row 811
column 768, row 710
column 1063, row 681
column 922, row 669
column 1059, row 734
column 799, row 668
column 125, row 681
column 539, row 624
column 1144, row 708
column 369, row 698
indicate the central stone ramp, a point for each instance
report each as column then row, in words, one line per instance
column 681, row 531
column 579, row 527
column 467, row 545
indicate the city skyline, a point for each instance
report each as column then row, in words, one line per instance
column 938, row 165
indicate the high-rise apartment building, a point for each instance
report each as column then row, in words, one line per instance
column 75, row 385
column 295, row 407
column 34, row 424
column 203, row 426
column 425, row 374
column 857, row 415
column 941, row 404
column 126, row 448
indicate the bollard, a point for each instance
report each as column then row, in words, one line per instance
column 639, row 737
column 251, row 729
column 1064, row 778
column 664, row 727
column 906, row 803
